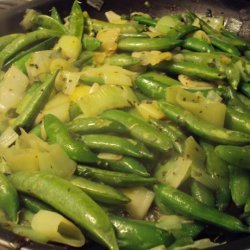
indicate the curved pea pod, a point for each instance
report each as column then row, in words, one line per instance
column 113, row 178
column 233, row 75
column 218, row 169
column 192, row 69
column 223, row 46
column 236, row 120
column 143, row 44
column 142, row 19
column 201, row 127
column 88, row 125
column 117, row 145
column 245, row 89
column 57, row 132
column 100, row 192
column 122, row 60
column 33, row 204
column 70, row 201
column 76, row 21
column 9, row 201
column 181, row 30
column 154, row 85
column 25, row 40
column 140, row 235
column 202, row 194
column 239, row 185
column 237, row 156
column 33, row 107
column 127, row 165
column 140, row 129
column 5, row 40
column 188, row 206
column 196, row 44
column 176, row 136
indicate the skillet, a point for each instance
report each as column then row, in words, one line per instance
column 11, row 13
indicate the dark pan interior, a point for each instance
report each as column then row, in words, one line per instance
column 238, row 9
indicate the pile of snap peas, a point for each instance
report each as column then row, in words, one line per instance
column 122, row 149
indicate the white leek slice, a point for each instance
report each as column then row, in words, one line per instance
column 12, row 88
column 106, row 97
column 114, row 17
column 39, row 63
column 58, row 106
column 8, row 137
column 141, row 200
column 57, row 228
column 111, row 74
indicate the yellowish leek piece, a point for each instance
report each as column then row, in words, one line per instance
column 57, row 228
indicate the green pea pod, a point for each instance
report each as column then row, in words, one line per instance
column 142, row 44
column 202, row 194
column 86, row 58
column 57, row 132
column 127, row 165
column 112, row 178
column 237, row 156
column 236, row 120
column 239, row 185
column 202, row 128
column 9, row 201
column 76, row 21
column 34, row 106
column 22, row 57
column 187, row 205
column 176, row 136
column 181, row 242
column 90, row 43
column 196, row 44
column 145, row 20
column 218, row 169
column 23, row 41
column 139, row 235
column 86, row 125
column 233, row 75
column 122, row 60
column 55, row 15
column 128, row 28
column 154, row 85
column 245, row 89
column 188, row 230
column 140, row 129
column 181, row 31
column 115, row 144
column 132, row 35
column 100, row 192
column 33, row 204
column 70, row 201
column 192, row 69
column 5, row 40
column 223, row 46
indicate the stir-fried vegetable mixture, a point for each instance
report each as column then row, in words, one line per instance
column 133, row 133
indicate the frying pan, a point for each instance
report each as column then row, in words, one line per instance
column 11, row 13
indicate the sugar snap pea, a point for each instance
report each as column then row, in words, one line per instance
column 142, row 44
column 90, row 43
column 115, row 144
column 141, row 130
column 122, row 60
column 70, row 201
column 55, row 15
column 113, row 178
column 100, row 192
column 187, row 205
column 5, row 40
column 140, row 235
column 33, row 107
column 237, row 156
column 9, row 201
column 88, row 125
column 245, row 89
column 58, row 133
column 76, row 21
column 126, row 165
column 239, row 185
column 201, row 128
column 145, row 20
column 24, row 40
column 195, row 44
column 191, row 69
column 181, row 31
